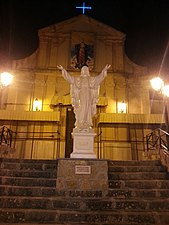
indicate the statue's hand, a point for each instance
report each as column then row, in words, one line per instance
column 60, row 67
column 106, row 68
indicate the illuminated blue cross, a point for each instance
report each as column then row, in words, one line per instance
column 84, row 7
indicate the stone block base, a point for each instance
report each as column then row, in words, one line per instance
column 81, row 174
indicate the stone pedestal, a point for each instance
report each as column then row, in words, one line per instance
column 82, row 175
column 83, row 144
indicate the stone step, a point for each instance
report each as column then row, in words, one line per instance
column 138, row 176
column 148, row 163
column 29, row 165
column 50, row 191
column 123, row 218
column 30, row 161
column 74, row 223
column 53, row 223
column 39, row 223
column 104, row 204
column 137, row 169
column 8, row 190
column 29, row 173
column 22, row 181
column 20, row 223
column 49, row 164
column 112, row 174
column 139, row 184
column 143, row 193
column 74, row 217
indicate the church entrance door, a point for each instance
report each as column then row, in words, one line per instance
column 70, row 120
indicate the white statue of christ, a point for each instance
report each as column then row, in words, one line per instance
column 85, row 94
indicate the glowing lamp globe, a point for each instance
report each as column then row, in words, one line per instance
column 157, row 83
column 6, row 79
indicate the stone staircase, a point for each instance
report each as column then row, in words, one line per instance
column 140, row 191
column 138, row 194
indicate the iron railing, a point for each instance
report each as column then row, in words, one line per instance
column 7, row 141
column 7, row 136
column 158, row 146
column 154, row 141
column 157, row 139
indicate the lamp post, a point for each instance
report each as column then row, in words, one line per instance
column 5, row 80
column 158, row 85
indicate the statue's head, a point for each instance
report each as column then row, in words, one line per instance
column 85, row 71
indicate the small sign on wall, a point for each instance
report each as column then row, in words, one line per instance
column 82, row 169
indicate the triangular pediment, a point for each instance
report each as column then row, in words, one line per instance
column 60, row 43
column 82, row 23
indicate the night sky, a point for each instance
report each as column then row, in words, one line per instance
column 145, row 23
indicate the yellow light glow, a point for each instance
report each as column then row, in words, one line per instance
column 122, row 107
column 165, row 90
column 6, row 79
column 157, row 83
column 37, row 105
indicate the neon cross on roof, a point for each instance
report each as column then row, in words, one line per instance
column 84, row 7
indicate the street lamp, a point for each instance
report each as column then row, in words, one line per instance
column 37, row 105
column 5, row 80
column 158, row 85
column 121, row 107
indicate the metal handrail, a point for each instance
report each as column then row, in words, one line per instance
column 6, row 136
column 157, row 139
column 158, row 145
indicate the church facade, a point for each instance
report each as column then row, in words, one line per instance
column 37, row 106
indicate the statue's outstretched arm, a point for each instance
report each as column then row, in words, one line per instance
column 66, row 75
column 103, row 74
